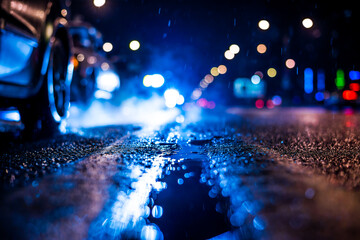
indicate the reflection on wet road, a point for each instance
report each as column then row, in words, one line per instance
column 216, row 179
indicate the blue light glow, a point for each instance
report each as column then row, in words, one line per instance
column 277, row 100
column 308, row 80
column 10, row 115
column 100, row 94
column 259, row 223
column 321, row 80
column 354, row 75
column 319, row 96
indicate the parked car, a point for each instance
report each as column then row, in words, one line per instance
column 93, row 72
column 35, row 62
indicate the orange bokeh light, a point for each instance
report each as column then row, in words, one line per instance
column 261, row 48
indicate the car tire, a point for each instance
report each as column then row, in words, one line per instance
column 46, row 113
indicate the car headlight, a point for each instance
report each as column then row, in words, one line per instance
column 108, row 81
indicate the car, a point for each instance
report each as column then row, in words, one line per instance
column 36, row 62
column 94, row 74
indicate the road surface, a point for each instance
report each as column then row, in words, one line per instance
column 238, row 174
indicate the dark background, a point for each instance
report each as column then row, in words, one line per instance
column 183, row 39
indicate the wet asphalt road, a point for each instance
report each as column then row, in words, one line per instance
column 246, row 174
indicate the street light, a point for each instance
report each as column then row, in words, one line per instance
column 99, row 3
column 234, row 48
column 307, row 23
column 107, row 47
column 229, row 55
column 264, row 25
column 134, row 45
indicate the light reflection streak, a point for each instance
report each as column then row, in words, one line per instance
column 245, row 210
column 131, row 208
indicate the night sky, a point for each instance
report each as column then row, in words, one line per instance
column 183, row 39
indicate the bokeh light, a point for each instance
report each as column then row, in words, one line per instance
column 134, row 45
column 259, row 103
column 307, row 23
column 196, row 94
column 155, row 80
column 203, row 84
column 171, row 97
column 107, row 47
column 180, row 100
column 308, row 80
column 222, row 69
column 91, row 60
column 270, row 104
column 319, row 96
column 271, row 72
column 261, row 48
column 264, row 25
column 105, row 66
column 64, row 12
column 255, row 79
column 354, row 75
column 229, row 55
column 350, row 95
column 354, row 86
column 211, row 105
column 99, row 3
column 80, row 57
column 202, row 102
column 214, row 71
column 260, row 74
column 147, row 81
column 277, row 100
column 209, row 78
column 340, row 79
column 321, row 80
column 234, row 48
column 290, row 63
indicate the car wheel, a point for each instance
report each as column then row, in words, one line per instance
column 47, row 111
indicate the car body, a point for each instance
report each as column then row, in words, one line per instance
column 35, row 62
column 93, row 72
